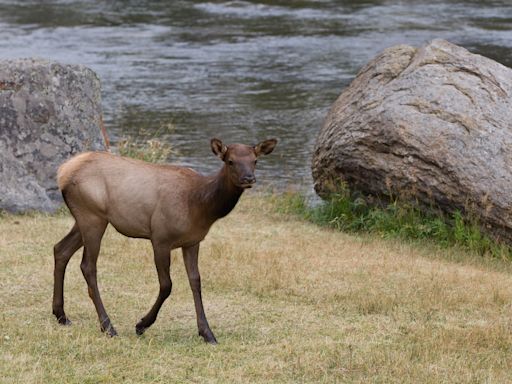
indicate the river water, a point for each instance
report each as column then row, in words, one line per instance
column 238, row 70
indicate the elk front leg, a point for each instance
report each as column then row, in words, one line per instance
column 162, row 253
column 190, row 257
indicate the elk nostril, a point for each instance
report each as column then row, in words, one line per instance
column 248, row 180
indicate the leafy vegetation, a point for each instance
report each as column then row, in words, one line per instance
column 349, row 212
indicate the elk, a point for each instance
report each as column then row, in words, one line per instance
column 172, row 206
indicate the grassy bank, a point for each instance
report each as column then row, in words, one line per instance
column 289, row 301
column 399, row 219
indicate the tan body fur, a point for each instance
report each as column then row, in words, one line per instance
column 157, row 200
column 172, row 206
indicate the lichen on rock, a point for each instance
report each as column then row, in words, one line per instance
column 48, row 112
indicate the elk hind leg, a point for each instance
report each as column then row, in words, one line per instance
column 62, row 252
column 92, row 232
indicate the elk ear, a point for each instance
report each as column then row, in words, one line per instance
column 218, row 148
column 265, row 147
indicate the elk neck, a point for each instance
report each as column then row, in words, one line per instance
column 218, row 196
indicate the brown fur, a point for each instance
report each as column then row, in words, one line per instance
column 172, row 206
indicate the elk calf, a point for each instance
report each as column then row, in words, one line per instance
column 172, row 206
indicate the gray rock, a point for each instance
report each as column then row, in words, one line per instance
column 434, row 123
column 48, row 112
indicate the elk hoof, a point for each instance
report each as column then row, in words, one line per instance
column 208, row 337
column 140, row 329
column 111, row 331
column 62, row 319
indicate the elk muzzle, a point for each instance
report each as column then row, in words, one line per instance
column 247, row 181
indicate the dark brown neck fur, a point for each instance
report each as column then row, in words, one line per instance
column 218, row 196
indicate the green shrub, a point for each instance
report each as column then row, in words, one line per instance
column 350, row 212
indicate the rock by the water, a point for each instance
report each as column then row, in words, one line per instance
column 433, row 122
column 48, row 112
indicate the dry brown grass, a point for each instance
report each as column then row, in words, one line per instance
column 288, row 302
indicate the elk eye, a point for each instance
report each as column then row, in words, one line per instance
column 230, row 162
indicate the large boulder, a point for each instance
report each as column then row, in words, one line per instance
column 48, row 112
column 434, row 123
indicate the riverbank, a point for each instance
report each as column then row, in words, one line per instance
column 289, row 301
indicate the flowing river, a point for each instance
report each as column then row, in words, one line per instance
column 186, row 71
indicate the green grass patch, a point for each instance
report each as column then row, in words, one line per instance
column 350, row 212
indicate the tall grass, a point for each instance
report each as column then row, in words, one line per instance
column 400, row 218
column 147, row 146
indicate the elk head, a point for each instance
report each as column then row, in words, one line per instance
column 240, row 160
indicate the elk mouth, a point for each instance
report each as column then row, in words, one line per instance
column 246, row 182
